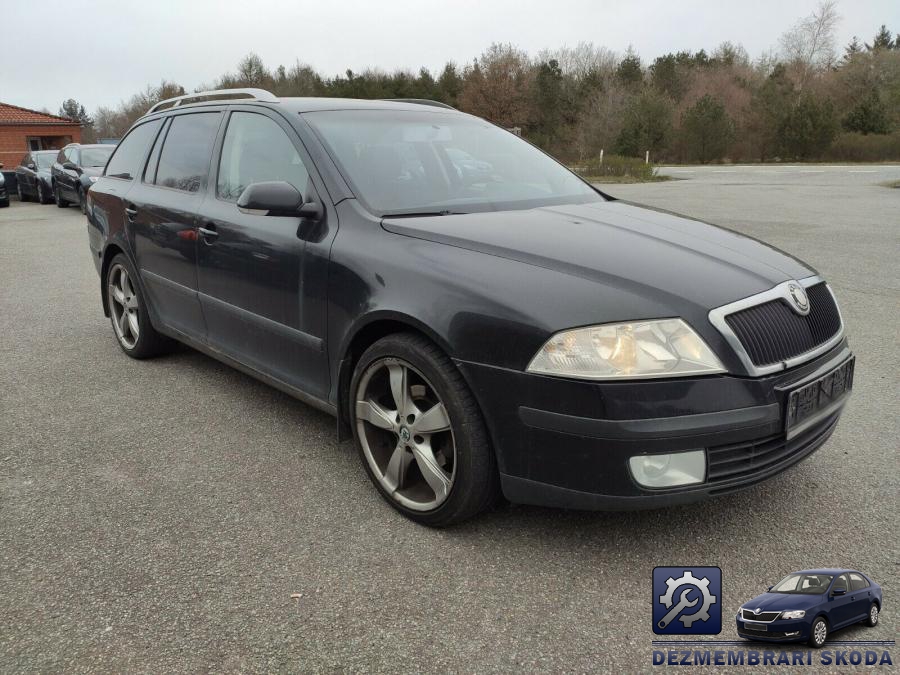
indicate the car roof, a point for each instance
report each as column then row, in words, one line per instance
column 303, row 104
column 825, row 570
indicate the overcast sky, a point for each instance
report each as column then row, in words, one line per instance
column 100, row 52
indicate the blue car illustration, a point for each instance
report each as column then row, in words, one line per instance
column 810, row 605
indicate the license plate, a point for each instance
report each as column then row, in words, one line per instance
column 816, row 399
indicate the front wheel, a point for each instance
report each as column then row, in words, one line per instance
column 22, row 196
column 128, row 313
column 419, row 432
column 41, row 194
column 57, row 196
column 818, row 633
column 82, row 202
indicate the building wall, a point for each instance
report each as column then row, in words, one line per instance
column 14, row 140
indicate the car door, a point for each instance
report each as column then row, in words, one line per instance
column 840, row 607
column 162, row 209
column 250, row 270
column 860, row 595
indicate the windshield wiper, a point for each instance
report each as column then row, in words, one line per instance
column 422, row 214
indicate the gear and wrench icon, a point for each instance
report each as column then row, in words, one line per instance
column 702, row 585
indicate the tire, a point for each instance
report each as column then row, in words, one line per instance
column 128, row 313
column 60, row 202
column 818, row 633
column 4, row 203
column 82, row 202
column 872, row 620
column 22, row 196
column 439, row 427
column 41, row 194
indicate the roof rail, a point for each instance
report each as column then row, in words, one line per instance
column 421, row 101
column 216, row 94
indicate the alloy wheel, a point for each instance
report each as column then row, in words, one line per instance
column 123, row 304
column 820, row 632
column 19, row 191
column 41, row 198
column 873, row 615
column 82, row 202
column 405, row 433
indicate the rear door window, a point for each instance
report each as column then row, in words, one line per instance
column 129, row 155
column 857, row 582
column 184, row 161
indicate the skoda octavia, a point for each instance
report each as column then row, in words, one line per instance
column 810, row 605
column 481, row 320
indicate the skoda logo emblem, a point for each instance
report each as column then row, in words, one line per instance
column 799, row 298
column 757, row 610
column 404, row 435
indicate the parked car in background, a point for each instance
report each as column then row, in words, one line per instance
column 33, row 177
column 810, row 605
column 77, row 167
column 516, row 330
column 4, row 195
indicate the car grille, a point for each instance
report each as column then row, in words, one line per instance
column 772, row 332
column 762, row 616
column 743, row 460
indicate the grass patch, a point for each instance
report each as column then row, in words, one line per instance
column 618, row 169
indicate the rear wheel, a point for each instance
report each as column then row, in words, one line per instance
column 873, row 616
column 819, row 633
column 57, row 195
column 419, row 432
column 128, row 313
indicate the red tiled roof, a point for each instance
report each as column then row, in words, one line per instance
column 13, row 114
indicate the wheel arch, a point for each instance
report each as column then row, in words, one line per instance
column 367, row 331
column 110, row 252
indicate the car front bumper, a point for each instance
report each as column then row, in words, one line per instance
column 793, row 630
column 566, row 443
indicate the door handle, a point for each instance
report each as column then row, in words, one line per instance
column 130, row 211
column 209, row 234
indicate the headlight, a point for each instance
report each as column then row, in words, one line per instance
column 93, row 179
column 658, row 348
column 794, row 614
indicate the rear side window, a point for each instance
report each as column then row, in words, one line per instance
column 857, row 582
column 126, row 161
column 256, row 150
column 184, row 162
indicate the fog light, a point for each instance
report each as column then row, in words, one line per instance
column 796, row 632
column 677, row 468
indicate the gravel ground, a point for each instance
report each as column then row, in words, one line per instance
column 159, row 515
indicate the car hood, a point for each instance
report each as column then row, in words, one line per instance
column 770, row 602
column 643, row 250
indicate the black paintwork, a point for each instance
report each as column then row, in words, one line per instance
column 30, row 175
column 295, row 300
column 70, row 176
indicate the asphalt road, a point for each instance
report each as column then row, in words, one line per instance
column 159, row 515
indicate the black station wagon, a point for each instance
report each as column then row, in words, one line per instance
column 482, row 320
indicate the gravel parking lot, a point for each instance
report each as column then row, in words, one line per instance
column 159, row 515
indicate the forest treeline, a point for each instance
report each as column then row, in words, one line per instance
column 805, row 100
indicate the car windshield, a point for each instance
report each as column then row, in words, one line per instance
column 44, row 160
column 432, row 163
column 810, row 584
column 96, row 156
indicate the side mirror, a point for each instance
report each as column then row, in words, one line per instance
column 32, row 167
column 840, row 590
column 277, row 198
column 69, row 166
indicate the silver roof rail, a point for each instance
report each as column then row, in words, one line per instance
column 420, row 101
column 216, row 94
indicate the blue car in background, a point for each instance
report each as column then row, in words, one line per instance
column 810, row 605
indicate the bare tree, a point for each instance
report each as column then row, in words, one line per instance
column 810, row 44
